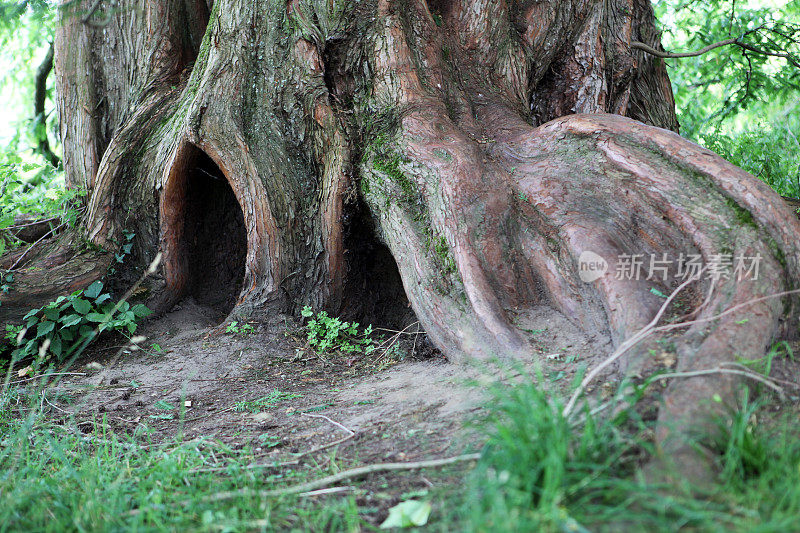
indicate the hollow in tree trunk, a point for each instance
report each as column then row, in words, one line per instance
column 310, row 151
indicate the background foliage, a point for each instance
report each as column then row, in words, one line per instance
column 741, row 104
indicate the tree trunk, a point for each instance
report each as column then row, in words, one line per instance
column 277, row 152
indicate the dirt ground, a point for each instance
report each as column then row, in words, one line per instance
column 297, row 411
column 267, row 391
column 188, row 360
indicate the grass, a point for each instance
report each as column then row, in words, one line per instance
column 56, row 478
column 539, row 472
column 273, row 398
column 542, row 472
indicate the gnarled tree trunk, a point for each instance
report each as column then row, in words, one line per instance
column 274, row 150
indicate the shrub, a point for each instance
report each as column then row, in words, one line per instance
column 71, row 322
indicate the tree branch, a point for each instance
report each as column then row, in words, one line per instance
column 670, row 55
column 727, row 42
column 39, row 96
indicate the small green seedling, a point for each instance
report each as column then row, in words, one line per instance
column 239, row 329
column 329, row 334
column 273, row 398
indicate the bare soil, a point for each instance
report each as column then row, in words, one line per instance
column 408, row 410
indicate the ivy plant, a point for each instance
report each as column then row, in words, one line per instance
column 328, row 334
column 72, row 321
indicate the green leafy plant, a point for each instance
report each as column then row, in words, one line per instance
column 70, row 322
column 771, row 153
column 34, row 188
column 236, row 328
column 328, row 334
column 273, row 398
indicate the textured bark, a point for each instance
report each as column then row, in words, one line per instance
column 489, row 144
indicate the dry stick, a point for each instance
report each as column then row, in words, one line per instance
column 32, row 223
column 350, row 435
column 47, row 376
column 393, row 340
column 43, row 237
column 623, row 348
column 650, row 329
column 331, row 490
column 335, row 478
column 247, row 467
column 774, row 380
column 670, row 327
column 693, row 373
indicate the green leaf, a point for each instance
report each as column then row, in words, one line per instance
column 141, row 310
column 102, row 298
column 70, row 320
column 410, row 513
column 44, row 328
column 164, row 406
column 81, row 306
column 97, row 317
column 94, row 290
column 51, row 313
column 306, row 312
column 55, row 345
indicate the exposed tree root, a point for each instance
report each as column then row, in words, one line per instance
column 428, row 110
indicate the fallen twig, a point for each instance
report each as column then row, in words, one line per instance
column 43, row 237
column 34, row 378
column 651, row 328
column 335, row 478
column 246, row 467
column 331, row 490
column 350, row 435
column 623, row 348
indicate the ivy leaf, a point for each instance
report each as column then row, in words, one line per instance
column 102, row 298
column 410, row 513
column 55, row 345
column 97, row 317
column 51, row 313
column 44, row 328
column 94, row 290
column 70, row 320
column 81, row 306
column 141, row 310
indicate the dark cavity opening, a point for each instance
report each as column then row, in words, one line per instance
column 196, row 15
column 374, row 289
column 215, row 237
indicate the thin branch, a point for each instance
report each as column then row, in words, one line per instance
column 623, row 348
column 47, row 376
column 727, row 42
column 350, row 435
column 749, row 374
column 39, row 116
column 335, row 478
column 43, row 237
column 674, row 55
